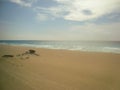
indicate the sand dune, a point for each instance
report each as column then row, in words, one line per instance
column 58, row 70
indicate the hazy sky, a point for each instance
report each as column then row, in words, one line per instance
column 60, row 19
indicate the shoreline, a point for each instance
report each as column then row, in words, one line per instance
column 73, row 50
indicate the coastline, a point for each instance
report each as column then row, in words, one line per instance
column 58, row 70
column 63, row 49
column 82, row 46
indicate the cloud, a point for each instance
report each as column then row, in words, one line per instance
column 96, row 7
column 25, row 3
column 91, row 31
column 75, row 10
column 42, row 17
column 81, row 10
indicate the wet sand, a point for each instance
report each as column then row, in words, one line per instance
column 58, row 70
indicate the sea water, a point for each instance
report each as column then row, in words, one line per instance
column 90, row 46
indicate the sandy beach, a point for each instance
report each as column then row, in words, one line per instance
column 58, row 70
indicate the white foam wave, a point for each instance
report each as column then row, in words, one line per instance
column 71, row 47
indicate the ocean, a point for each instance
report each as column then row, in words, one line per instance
column 89, row 46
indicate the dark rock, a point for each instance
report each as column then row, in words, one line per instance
column 7, row 56
column 32, row 51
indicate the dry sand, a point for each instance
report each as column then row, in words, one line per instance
column 58, row 70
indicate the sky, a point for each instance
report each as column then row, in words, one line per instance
column 60, row 20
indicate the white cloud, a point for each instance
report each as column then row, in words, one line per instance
column 26, row 3
column 82, row 10
column 75, row 10
column 108, row 31
column 105, row 32
column 96, row 7
column 42, row 17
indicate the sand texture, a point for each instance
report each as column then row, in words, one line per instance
column 58, row 70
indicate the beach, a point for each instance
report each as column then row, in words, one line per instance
column 58, row 69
